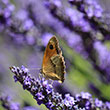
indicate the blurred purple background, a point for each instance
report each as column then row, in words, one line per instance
column 83, row 30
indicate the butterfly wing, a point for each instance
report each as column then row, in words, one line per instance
column 59, row 66
column 53, row 65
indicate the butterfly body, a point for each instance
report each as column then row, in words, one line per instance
column 53, row 65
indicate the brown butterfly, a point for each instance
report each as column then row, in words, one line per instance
column 53, row 65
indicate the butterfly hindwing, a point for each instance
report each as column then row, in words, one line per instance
column 57, row 61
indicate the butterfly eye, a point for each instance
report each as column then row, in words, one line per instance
column 51, row 47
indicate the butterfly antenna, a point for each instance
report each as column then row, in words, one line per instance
column 34, row 68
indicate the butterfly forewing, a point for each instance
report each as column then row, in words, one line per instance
column 53, row 65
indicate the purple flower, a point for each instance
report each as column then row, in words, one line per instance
column 103, row 54
column 88, row 105
column 30, row 108
column 40, row 98
column 43, row 92
column 15, row 78
column 98, row 11
column 78, row 97
column 89, row 2
column 98, row 103
column 93, row 9
column 27, row 82
column 10, row 23
column 6, row 10
column 74, row 40
column 8, row 104
column 48, row 87
column 40, row 89
column 22, row 14
column 27, row 24
column 107, row 105
column 85, row 95
column 14, row 106
column 25, row 70
column 69, row 101
column 49, row 104
column 77, row 19
column 57, row 3
column 90, row 12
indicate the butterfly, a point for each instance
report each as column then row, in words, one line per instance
column 53, row 64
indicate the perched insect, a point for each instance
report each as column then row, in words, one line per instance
column 53, row 64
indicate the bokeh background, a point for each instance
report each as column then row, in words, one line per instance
column 83, row 30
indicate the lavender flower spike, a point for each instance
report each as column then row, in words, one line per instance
column 43, row 93
column 7, row 104
column 40, row 89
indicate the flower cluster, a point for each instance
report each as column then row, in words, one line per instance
column 40, row 89
column 9, row 23
column 90, row 7
column 7, row 104
column 43, row 93
column 6, row 9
